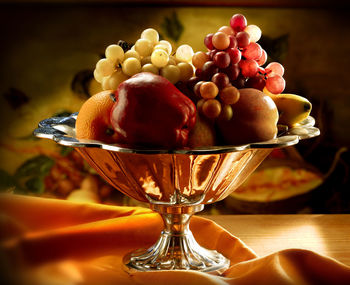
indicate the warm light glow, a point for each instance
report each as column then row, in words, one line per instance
column 150, row 187
column 304, row 237
column 254, row 32
column 65, row 272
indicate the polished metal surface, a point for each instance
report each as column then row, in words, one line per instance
column 176, row 183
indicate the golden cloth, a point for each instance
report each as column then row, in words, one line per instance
column 49, row 241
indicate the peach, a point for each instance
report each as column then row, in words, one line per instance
column 254, row 119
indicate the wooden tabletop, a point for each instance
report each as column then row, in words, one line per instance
column 265, row 234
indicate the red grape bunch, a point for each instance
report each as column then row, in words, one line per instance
column 233, row 61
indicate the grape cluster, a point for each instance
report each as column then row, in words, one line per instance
column 148, row 54
column 233, row 61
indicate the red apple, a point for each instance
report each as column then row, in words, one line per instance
column 151, row 111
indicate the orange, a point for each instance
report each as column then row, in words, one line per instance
column 93, row 121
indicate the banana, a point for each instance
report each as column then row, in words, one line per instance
column 292, row 108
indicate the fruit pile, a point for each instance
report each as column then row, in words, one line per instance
column 159, row 98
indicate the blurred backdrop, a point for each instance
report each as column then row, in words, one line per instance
column 49, row 50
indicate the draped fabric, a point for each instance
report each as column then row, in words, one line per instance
column 49, row 241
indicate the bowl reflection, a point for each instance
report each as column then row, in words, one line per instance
column 174, row 179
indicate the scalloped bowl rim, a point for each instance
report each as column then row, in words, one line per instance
column 62, row 131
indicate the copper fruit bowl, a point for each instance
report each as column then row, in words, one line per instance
column 176, row 183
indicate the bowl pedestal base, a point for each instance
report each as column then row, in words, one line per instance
column 176, row 248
